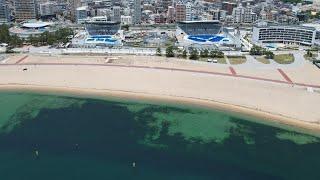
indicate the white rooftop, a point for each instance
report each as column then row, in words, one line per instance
column 82, row 8
column 315, row 25
column 38, row 24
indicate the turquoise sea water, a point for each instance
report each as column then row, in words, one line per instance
column 54, row 137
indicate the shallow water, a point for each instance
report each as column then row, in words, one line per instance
column 54, row 137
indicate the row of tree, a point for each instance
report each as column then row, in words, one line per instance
column 172, row 51
column 292, row 1
column 50, row 38
column 46, row 38
column 5, row 37
column 259, row 51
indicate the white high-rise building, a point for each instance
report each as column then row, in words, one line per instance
column 170, row 14
column 137, row 12
column 188, row 11
column 47, row 9
column 116, row 15
column 74, row 4
column 180, row 12
column 166, row 4
column 243, row 15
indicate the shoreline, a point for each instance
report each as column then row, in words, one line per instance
column 264, row 117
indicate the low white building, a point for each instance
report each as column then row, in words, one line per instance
column 32, row 28
column 126, row 20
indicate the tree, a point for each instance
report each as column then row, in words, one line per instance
column 169, row 51
column 43, row 38
column 62, row 35
column 48, row 38
column 125, row 27
column 269, row 55
column 212, row 53
column 256, row 50
column 194, row 54
column 184, row 53
column 9, row 49
column 51, row 40
column 216, row 54
column 32, row 40
column 178, row 52
column 158, row 51
column 309, row 53
column 219, row 54
column 204, row 53
column 4, row 34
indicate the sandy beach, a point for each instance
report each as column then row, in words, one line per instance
column 276, row 101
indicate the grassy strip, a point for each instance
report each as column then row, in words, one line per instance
column 237, row 59
column 284, row 58
column 263, row 59
column 308, row 58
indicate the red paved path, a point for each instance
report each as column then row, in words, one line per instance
column 22, row 59
column 233, row 72
column 285, row 76
column 170, row 69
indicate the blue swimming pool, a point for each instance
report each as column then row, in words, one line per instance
column 95, row 37
column 206, row 38
column 101, row 39
column 110, row 40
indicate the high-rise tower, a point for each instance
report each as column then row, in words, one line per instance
column 137, row 12
column 25, row 10
column 4, row 12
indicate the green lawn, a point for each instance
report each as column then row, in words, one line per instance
column 221, row 60
column 237, row 59
column 263, row 59
column 284, row 58
column 314, row 55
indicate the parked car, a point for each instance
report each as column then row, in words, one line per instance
column 212, row 60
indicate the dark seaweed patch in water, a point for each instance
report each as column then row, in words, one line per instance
column 101, row 140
